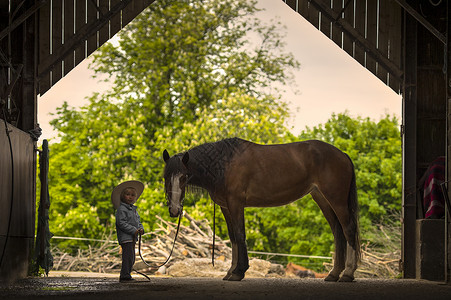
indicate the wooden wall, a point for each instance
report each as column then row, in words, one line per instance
column 22, row 229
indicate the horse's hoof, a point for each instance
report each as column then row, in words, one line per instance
column 235, row 277
column 227, row 276
column 346, row 278
column 331, row 278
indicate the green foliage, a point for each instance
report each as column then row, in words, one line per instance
column 180, row 56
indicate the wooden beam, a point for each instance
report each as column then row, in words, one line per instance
column 409, row 149
column 448, row 141
column 422, row 20
column 22, row 18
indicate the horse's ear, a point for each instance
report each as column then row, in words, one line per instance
column 185, row 158
column 166, row 155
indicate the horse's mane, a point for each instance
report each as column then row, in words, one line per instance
column 208, row 162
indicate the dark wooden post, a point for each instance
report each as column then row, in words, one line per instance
column 409, row 139
column 448, row 134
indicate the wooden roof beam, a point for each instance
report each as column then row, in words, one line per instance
column 334, row 17
column 422, row 20
column 22, row 18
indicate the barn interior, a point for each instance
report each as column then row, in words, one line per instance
column 403, row 43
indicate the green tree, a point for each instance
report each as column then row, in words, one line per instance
column 175, row 64
column 180, row 56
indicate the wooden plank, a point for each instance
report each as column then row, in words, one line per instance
column 139, row 6
column 371, row 31
column 44, row 44
column 360, row 14
column 410, row 179
column 80, row 14
column 116, row 21
column 4, row 17
column 394, row 41
column 325, row 23
column 337, row 6
column 22, row 222
column 17, row 57
column 348, row 42
column 383, row 38
column 147, row 3
column 130, row 12
column 3, row 69
column 28, row 85
column 292, row 4
column 4, row 14
column 309, row 12
column 68, row 33
column 92, row 18
column 313, row 16
column 303, row 9
column 57, row 38
column 104, row 32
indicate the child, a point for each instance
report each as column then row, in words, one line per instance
column 128, row 223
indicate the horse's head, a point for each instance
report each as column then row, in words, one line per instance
column 175, row 180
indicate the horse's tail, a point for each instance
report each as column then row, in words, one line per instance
column 353, row 207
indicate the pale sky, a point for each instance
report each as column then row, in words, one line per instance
column 329, row 80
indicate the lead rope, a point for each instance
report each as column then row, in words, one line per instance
column 214, row 226
column 170, row 254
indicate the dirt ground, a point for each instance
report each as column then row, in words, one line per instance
column 89, row 286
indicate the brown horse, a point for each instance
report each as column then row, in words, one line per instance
column 238, row 174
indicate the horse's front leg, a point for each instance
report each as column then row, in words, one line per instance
column 236, row 211
column 228, row 219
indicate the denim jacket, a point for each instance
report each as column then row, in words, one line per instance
column 127, row 222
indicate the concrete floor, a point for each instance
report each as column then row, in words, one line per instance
column 100, row 286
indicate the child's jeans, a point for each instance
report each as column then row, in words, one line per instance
column 128, row 259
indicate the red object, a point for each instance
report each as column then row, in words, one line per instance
column 433, row 200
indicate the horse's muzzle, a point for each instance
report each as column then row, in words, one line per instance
column 174, row 211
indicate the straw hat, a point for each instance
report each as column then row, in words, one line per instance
column 116, row 194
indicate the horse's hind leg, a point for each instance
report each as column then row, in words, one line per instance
column 352, row 255
column 228, row 219
column 339, row 237
column 349, row 229
column 351, row 264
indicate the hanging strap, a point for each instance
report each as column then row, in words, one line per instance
column 214, row 226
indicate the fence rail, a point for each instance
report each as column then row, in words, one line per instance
column 251, row 252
